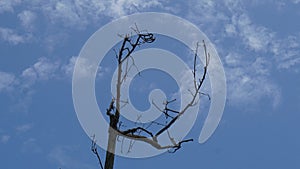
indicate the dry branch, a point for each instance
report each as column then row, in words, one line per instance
column 141, row 133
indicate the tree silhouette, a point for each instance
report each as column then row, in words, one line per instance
column 139, row 132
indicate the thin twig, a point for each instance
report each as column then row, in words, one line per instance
column 95, row 151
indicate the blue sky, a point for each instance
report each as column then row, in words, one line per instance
column 257, row 41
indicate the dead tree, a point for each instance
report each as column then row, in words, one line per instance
column 140, row 133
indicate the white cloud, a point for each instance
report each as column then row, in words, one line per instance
column 235, row 20
column 21, row 87
column 287, row 52
column 284, row 52
column 230, row 29
column 257, row 38
column 261, row 66
column 85, row 68
column 10, row 36
column 249, row 82
column 255, row 49
column 64, row 157
column 290, row 63
column 31, row 146
column 4, row 138
column 44, row 69
column 296, row 1
column 90, row 9
column 69, row 67
column 119, row 8
column 30, row 77
column 64, row 12
column 27, row 19
column 233, row 59
column 83, row 12
column 229, row 15
column 78, row 13
column 249, row 89
column 24, row 128
column 7, row 81
column 8, row 5
column 207, row 13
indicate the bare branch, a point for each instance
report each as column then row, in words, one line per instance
column 195, row 63
column 133, row 130
column 191, row 103
column 141, row 39
column 131, row 133
column 178, row 146
column 154, row 122
column 155, row 105
column 141, row 132
column 125, row 102
column 95, row 151
column 205, row 94
column 153, row 141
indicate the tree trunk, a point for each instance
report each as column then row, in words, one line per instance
column 110, row 156
column 114, row 119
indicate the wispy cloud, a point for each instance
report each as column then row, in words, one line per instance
column 22, row 87
column 249, row 81
column 12, row 37
column 80, row 13
column 43, row 69
column 64, row 157
column 234, row 19
column 257, row 38
column 24, row 128
column 222, row 21
column 69, row 67
column 287, row 52
column 27, row 19
column 8, row 5
column 284, row 52
column 85, row 68
column 31, row 146
column 296, row 1
column 64, row 12
column 255, row 50
column 7, row 81
column 119, row 8
column 207, row 14
column 4, row 138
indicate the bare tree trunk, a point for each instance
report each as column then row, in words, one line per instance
column 110, row 156
column 114, row 119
